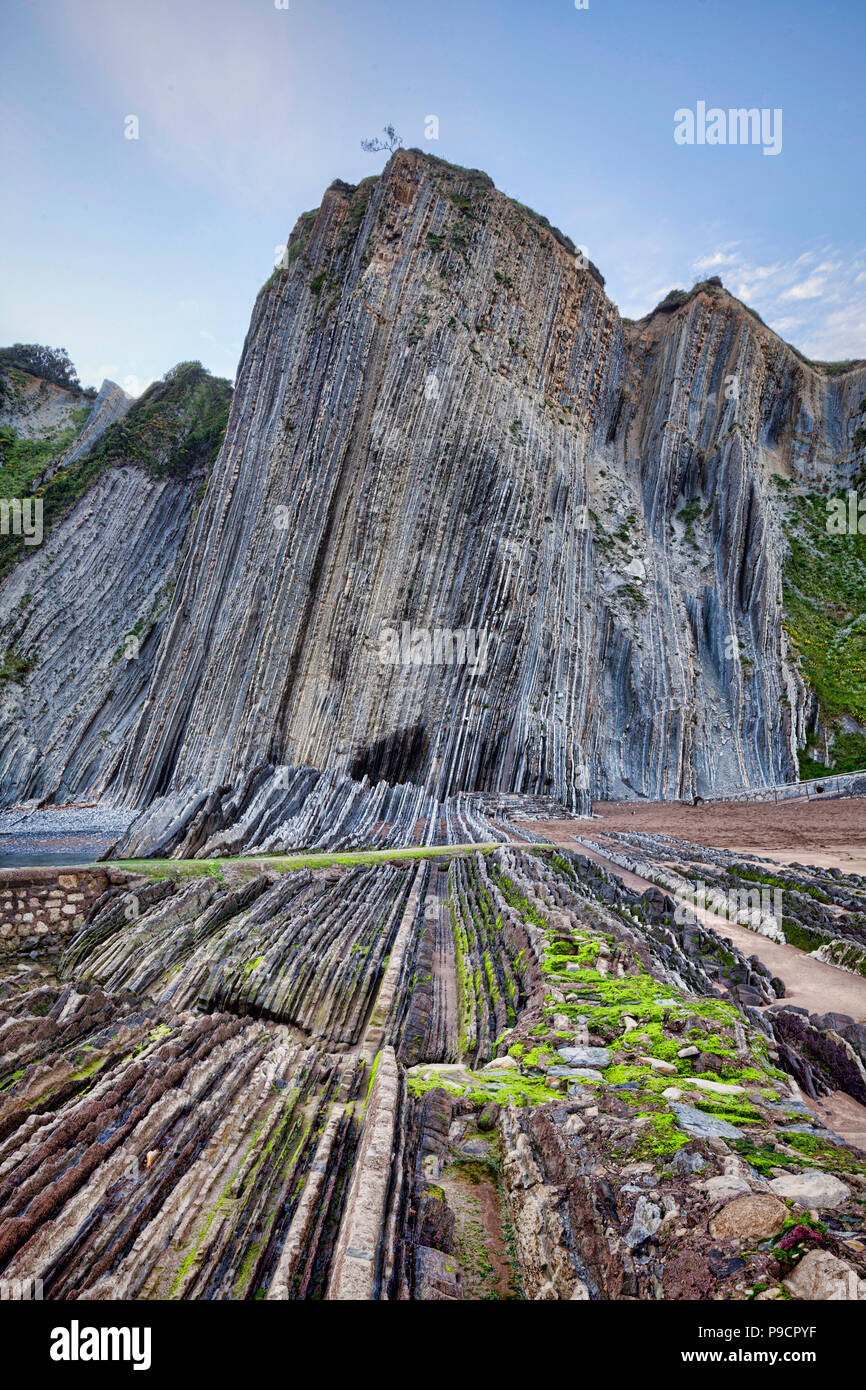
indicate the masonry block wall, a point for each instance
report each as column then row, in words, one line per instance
column 40, row 908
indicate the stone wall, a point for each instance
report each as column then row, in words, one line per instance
column 40, row 908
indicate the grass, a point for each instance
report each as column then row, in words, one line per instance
column 23, row 461
column 167, row 868
column 175, row 427
column 848, row 752
column 15, row 667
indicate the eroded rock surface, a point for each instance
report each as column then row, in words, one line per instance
column 442, row 425
column 346, row 1083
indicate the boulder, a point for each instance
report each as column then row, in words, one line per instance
column 585, row 1056
column 811, row 1188
column 754, row 1217
column 704, row 1126
column 489, row 1115
column 821, row 1277
column 725, row 1186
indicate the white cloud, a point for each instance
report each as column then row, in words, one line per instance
column 716, row 259
column 134, row 386
column 817, row 300
column 807, row 289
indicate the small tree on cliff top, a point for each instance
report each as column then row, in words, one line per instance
column 392, row 142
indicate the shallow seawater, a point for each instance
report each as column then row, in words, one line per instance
column 61, row 851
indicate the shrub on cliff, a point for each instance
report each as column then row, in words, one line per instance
column 51, row 364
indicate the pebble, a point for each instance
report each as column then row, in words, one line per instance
column 645, row 1222
column 658, row 1064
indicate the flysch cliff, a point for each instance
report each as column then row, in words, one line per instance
column 80, row 617
column 440, row 420
column 441, row 423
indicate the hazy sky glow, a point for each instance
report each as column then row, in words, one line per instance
column 136, row 254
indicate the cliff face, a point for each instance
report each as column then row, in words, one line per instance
column 81, row 616
column 468, row 532
column 34, row 408
column 441, row 421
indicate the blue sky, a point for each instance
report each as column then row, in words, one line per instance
column 136, row 254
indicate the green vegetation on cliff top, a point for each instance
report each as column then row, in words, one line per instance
column 174, row 430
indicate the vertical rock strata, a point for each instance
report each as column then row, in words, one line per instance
column 442, row 426
column 440, row 420
column 81, row 613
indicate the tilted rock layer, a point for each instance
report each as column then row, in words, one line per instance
column 504, row 1076
column 81, row 614
column 441, row 424
column 440, row 420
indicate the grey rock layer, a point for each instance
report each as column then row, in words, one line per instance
column 110, row 404
column 440, row 419
column 101, row 576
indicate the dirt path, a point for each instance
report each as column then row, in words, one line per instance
column 809, row 983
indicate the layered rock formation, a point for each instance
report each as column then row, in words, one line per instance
column 503, row 1076
column 111, row 404
column 441, row 421
column 81, row 616
column 469, row 532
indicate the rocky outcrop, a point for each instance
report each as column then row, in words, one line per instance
column 111, row 404
column 469, row 533
column 441, row 421
column 82, row 614
column 230, row 1092
column 89, row 639
column 35, row 408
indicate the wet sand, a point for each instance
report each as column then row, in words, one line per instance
column 810, row 984
column 831, row 834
